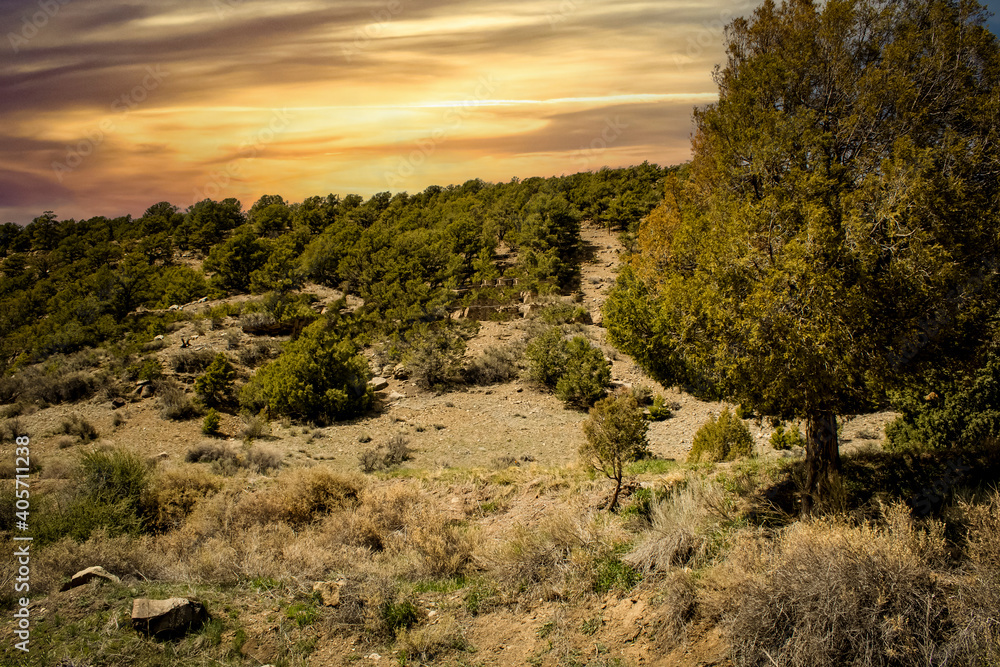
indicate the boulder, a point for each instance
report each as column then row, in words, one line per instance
column 147, row 391
column 90, row 574
column 379, row 383
column 167, row 618
column 400, row 372
column 329, row 592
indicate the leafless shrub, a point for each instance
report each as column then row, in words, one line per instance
column 75, row 425
column 175, row 404
column 495, row 365
column 191, row 361
column 254, row 426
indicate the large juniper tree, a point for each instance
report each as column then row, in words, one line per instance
column 838, row 223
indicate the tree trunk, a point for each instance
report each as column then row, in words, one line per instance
column 822, row 459
column 614, row 498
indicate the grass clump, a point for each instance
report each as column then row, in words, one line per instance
column 391, row 454
column 75, row 425
column 725, row 438
column 175, row 404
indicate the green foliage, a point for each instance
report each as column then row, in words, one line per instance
column 399, row 615
column 787, row 439
column 961, row 412
column 575, row 369
column 659, row 410
column 317, row 377
column 616, row 435
column 179, row 285
column 610, row 573
column 586, row 376
column 211, row 423
column 216, row 385
column 546, row 356
column 235, row 261
column 834, row 231
column 725, row 438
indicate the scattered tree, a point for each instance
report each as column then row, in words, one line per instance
column 616, row 435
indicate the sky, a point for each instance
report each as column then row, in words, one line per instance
column 109, row 107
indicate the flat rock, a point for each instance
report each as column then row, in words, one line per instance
column 379, row 383
column 167, row 618
column 90, row 574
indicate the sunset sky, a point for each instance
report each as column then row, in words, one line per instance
column 109, row 107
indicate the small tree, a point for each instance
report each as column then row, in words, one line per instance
column 216, row 385
column 616, row 434
column 724, row 439
column 586, row 375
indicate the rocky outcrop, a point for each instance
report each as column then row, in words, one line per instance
column 163, row 619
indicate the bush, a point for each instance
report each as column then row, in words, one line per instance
column 435, row 362
column 393, row 453
column 256, row 353
column 318, row 377
column 659, row 410
column 616, row 435
column 495, row 365
column 782, row 439
column 254, row 426
column 216, row 385
column 191, row 361
column 210, row 426
column 546, row 356
column 175, row 493
column 175, row 404
column 575, row 369
column 76, row 425
column 587, row 374
column 876, row 602
column 148, row 370
column 724, row 439
column 14, row 428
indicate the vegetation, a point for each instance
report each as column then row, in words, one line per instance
column 215, row 387
column 575, row 369
column 722, row 438
column 616, row 435
column 834, row 159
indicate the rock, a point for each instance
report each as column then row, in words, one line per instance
column 597, row 318
column 395, row 396
column 167, row 618
column 174, row 307
column 162, row 456
column 379, row 383
column 202, row 299
column 160, row 337
column 387, row 371
column 117, row 403
column 141, row 383
column 329, row 592
column 147, row 391
column 400, row 372
column 86, row 576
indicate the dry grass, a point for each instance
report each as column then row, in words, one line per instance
column 429, row 642
column 684, row 528
column 835, row 593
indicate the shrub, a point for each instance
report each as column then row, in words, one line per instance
column 14, row 428
column 659, row 410
column 575, row 369
column 435, row 362
column 210, row 426
column 495, row 365
column 546, row 356
column 256, row 353
column 175, row 404
column 876, row 602
column 216, row 385
column 724, row 439
column 586, row 376
column 616, row 435
column 318, row 377
column 564, row 313
column 175, row 493
column 393, row 453
column 263, row 459
column 191, row 361
column 304, row 496
column 76, row 425
column 429, row 642
column 254, row 426
column 148, row 370
column 782, row 439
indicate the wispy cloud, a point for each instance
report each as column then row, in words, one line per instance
column 364, row 81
